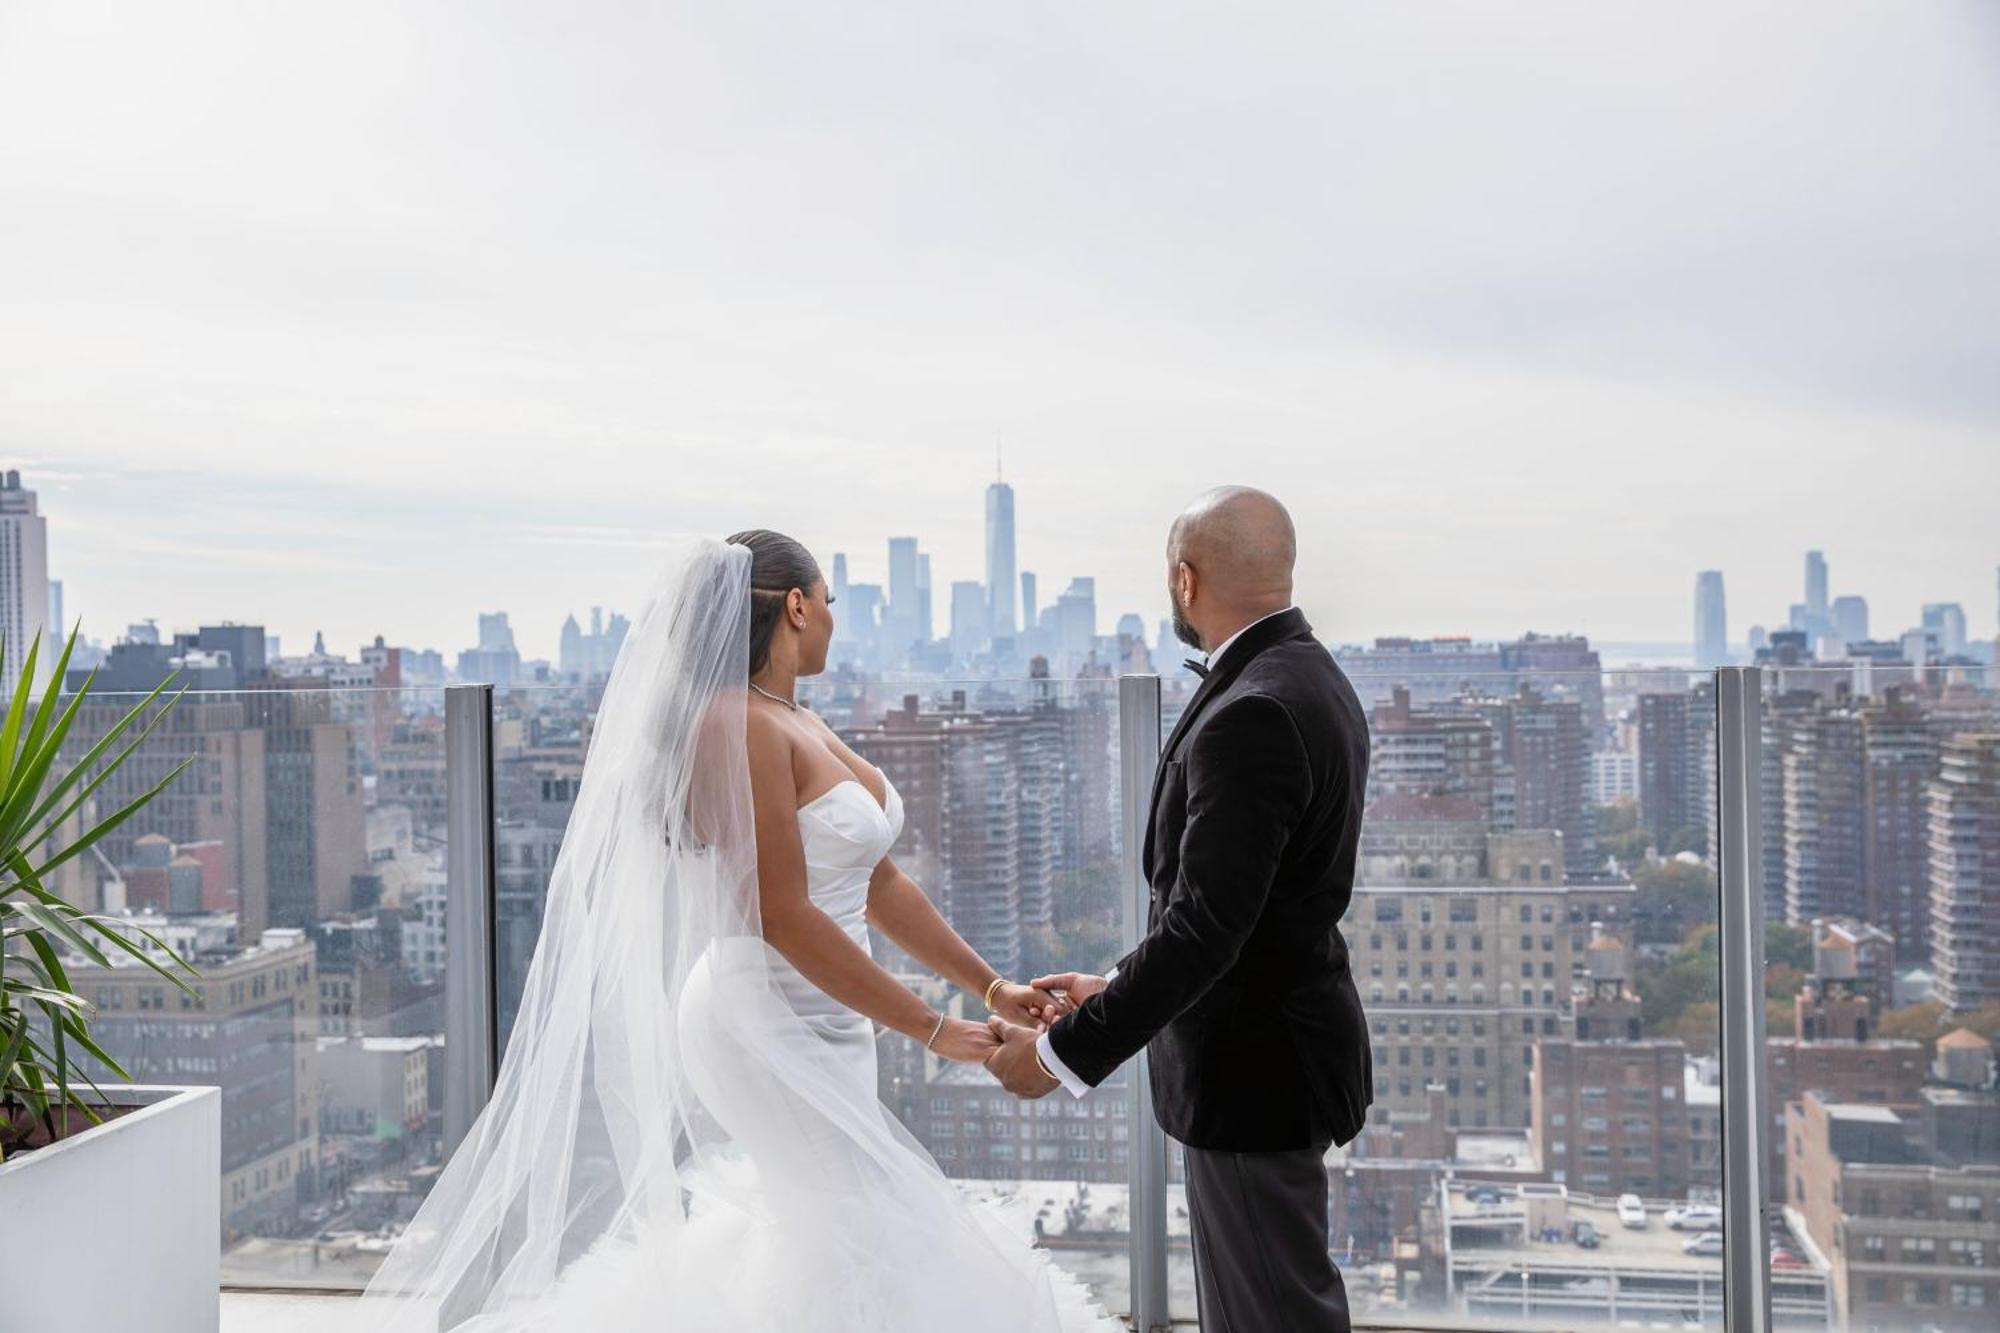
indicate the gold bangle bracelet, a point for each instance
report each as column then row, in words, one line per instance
column 992, row 986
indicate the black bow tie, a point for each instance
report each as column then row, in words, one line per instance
column 1197, row 666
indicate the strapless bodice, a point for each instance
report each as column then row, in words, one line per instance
column 845, row 833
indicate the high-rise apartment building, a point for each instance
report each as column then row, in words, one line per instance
column 1824, row 774
column 1675, row 729
column 1965, row 871
column 24, row 583
column 1900, row 749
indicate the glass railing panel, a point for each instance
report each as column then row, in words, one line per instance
column 299, row 865
column 1532, row 936
column 1881, row 856
column 1011, row 824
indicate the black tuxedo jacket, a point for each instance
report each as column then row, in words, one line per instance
column 1241, row 985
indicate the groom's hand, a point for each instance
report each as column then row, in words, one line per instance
column 1075, row 987
column 1016, row 1064
column 1027, row 1006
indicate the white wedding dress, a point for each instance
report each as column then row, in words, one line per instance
column 685, row 1135
column 831, row 1241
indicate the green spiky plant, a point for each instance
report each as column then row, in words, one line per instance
column 44, row 1023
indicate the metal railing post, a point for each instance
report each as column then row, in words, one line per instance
column 1746, row 1113
column 1138, row 757
column 471, row 1015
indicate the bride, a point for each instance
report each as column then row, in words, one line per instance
column 685, row 1133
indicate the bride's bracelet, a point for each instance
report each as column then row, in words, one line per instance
column 934, row 1031
column 992, row 986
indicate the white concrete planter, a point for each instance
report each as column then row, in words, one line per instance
column 120, row 1227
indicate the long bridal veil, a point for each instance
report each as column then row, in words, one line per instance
column 667, row 1144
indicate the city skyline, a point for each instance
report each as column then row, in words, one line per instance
column 608, row 557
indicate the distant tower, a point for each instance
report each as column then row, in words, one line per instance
column 1945, row 623
column 1000, row 560
column 901, row 619
column 925, row 631
column 1028, row 612
column 24, row 582
column 1850, row 618
column 968, row 619
column 839, row 577
column 1711, row 622
column 1816, row 588
column 59, row 626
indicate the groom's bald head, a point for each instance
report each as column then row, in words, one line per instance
column 1229, row 561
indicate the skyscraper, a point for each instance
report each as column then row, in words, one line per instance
column 1076, row 624
column 1000, row 560
column 58, row 626
column 1711, row 622
column 1945, row 622
column 1850, row 618
column 1965, row 871
column 899, row 619
column 925, row 631
column 1028, row 611
column 968, row 619
column 839, row 576
column 24, row 581
column 1816, row 588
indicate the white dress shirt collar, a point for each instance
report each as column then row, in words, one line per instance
column 1216, row 656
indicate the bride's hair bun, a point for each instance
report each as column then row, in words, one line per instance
column 777, row 565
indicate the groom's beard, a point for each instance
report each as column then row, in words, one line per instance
column 1185, row 632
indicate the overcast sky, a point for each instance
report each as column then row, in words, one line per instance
column 366, row 317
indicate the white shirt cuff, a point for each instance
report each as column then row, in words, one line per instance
column 1046, row 1048
column 1110, row 976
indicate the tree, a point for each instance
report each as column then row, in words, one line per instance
column 1788, row 946
column 1671, row 897
column 1928, row 1020
column 1619, row 833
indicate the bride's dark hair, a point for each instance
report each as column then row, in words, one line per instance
column 777, row 565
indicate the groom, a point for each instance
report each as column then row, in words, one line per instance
column 1241, row 986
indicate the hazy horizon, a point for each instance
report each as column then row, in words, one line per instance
column 365, row 320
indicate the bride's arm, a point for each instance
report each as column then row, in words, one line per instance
column 900, row 909
column 810, row 939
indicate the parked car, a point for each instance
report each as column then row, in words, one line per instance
column 1708, row 1242
column 1484, row 1196
column 1781, row 1258
column 1631, row 1213
column 1695, row 1217
column 1585, row 1235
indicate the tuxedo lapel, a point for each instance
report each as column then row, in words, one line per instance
column 1285, row 625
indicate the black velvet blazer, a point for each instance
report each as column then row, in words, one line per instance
column 1241, row 986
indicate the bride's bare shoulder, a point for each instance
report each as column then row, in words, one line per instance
column 771, row 745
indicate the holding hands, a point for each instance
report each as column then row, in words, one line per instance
column 1030, row 1006
column 1070, row 988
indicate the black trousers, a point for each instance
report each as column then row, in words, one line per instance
column 1260, row 1257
